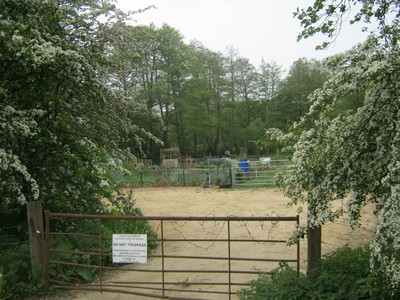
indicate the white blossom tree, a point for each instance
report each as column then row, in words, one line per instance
column 353, row 156
column 61, row 119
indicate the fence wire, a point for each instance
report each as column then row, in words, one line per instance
column 178, row 177
column 253, row 174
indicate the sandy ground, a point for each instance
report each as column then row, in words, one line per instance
column 192, row 201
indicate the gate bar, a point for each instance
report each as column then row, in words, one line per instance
column 175, row 218
column 162, row 258
column 229, row 258
column 47, row 245
column 101, row 257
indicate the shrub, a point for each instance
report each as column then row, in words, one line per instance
column 16, row 279
column 343, row 274
column 284, row 283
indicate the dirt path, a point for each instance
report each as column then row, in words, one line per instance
column 192, row 201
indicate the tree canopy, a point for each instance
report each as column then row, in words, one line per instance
column 81, row 91
column 327, row 18
column 352, row 155
column 60, row 121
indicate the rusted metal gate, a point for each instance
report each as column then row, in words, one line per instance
column 194, row 257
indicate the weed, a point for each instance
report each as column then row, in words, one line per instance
column 184, row 283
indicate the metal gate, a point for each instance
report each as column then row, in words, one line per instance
column 207, row 257
column 252, row 173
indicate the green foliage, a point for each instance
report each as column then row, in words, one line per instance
column 199, row 100
column 16, row 279
column 283, row 283
column 62, row 122
column 343, row 274
column 327, row 17
column 346, row 274
column 292, row 102
column 352, row 156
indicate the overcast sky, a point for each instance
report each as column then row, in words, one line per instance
column 257, row 28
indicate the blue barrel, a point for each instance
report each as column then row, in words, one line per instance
column 244, row 165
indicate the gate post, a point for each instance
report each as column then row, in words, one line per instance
column 36, row 238
column 233, row 174
column 313, row 247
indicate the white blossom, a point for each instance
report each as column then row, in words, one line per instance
column 355, row 154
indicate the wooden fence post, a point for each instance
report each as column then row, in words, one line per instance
column 36, row 238
column 313, row 247
column 233, row 174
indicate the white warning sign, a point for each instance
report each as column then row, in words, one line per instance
column 129, row 248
